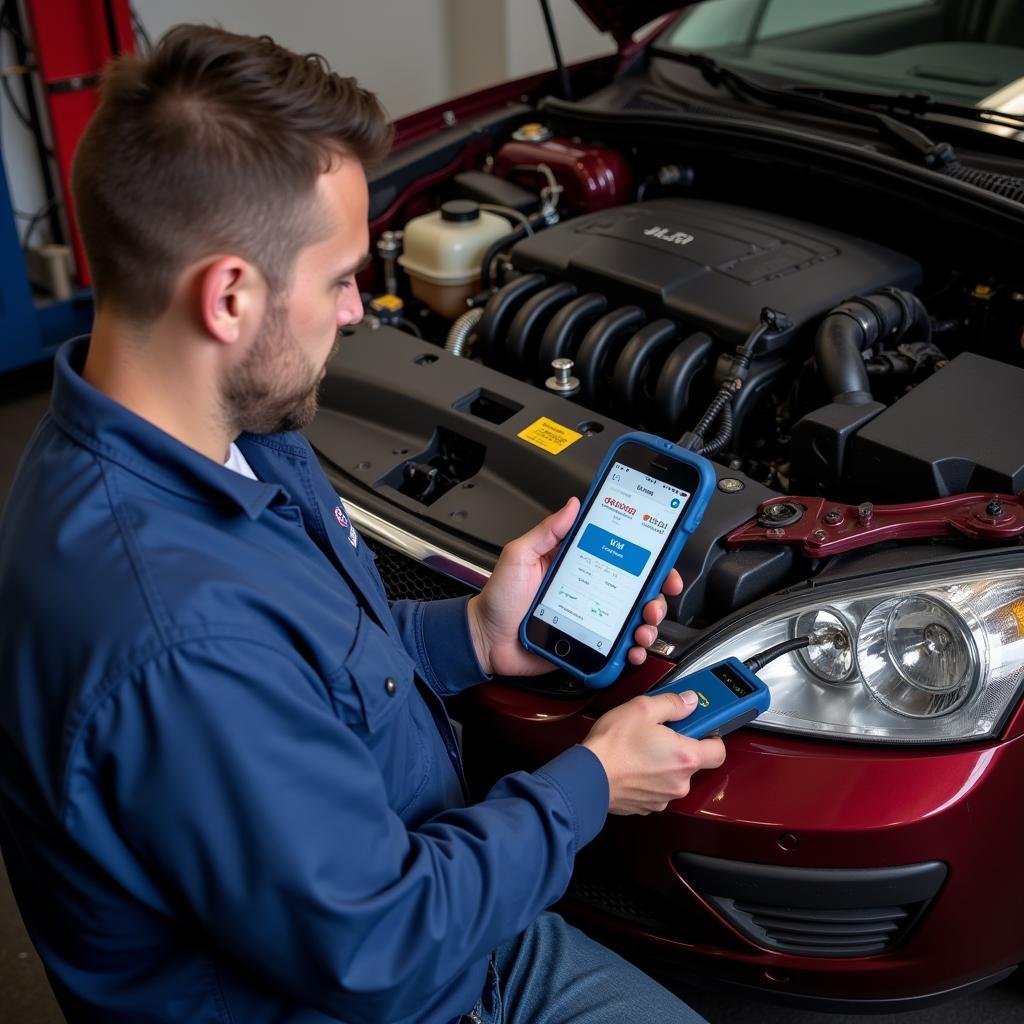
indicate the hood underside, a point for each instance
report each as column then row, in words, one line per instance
column 621, row 19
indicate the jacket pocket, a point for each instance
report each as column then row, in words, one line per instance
column 375, row 680
column 373, row 693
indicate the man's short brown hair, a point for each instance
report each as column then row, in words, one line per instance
column 213, row 143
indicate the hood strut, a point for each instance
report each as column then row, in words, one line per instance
column 556, row 50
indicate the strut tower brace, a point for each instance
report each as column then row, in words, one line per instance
column 823, row 527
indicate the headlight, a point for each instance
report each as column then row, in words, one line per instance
column 900, row 660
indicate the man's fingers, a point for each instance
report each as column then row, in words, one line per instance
column 673, row 584
column 655, row 611
column 645, row 635
column 548, row 533
column 671, row 707
column 713, row 752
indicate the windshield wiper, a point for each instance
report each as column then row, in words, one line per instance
column 917, row 104
column 908, row 140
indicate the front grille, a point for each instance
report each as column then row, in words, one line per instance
column 405, row 578
column 835, row 932
column 825, row 912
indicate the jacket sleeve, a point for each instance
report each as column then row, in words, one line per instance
column 436, row 635
column 225, row 769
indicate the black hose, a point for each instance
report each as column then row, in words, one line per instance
column 672, row 392
column 531, row 318
column 598, row 342
column 500, row 245
column 856, row 325
column 631, row 367
column 490, row 332
column 559, row 338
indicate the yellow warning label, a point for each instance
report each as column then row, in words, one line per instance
column 549, row 435
column 387, row 301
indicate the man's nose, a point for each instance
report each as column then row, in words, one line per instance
column 350, row 310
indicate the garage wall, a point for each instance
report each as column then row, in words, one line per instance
column 413, row 53
column 397, row 48
column 492, row 40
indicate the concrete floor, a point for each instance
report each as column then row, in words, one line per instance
column 25, row 997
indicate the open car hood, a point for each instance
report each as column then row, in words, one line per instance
column 621, row 18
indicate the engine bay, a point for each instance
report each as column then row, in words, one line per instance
column 558, row 291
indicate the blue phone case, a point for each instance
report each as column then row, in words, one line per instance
column 691, row 518
column 718, row 710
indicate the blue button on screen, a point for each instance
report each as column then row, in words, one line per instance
column 674, row 503
column 618, row 552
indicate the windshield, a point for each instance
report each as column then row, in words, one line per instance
column 962, row 51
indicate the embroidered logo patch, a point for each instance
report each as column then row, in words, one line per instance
column 353, row 537
column 341, row 517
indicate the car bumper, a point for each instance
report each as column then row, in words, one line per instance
column 830, row 874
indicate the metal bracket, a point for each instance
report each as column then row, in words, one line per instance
column 830, row 527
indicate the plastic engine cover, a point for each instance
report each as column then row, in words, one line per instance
column 711, row 265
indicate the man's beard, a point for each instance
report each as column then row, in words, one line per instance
column 255, row 400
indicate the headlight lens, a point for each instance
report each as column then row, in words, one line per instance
column 830, row 656
column 917, row 656
column 891, row 661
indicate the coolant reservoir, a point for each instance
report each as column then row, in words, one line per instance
column 444, row 251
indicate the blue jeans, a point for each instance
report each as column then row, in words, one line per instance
column 554, row 974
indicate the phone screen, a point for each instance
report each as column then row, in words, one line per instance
column 618, row 542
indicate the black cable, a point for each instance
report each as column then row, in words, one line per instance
column 36, row 219
column 10, row 20
column 115, row 42
column 724, row 435
column 771, row 322
column 500, row 245
column 758, row 661
column 6, row 22
column 141, row 35
column 18, row 112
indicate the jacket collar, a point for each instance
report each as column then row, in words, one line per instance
column 110, row 430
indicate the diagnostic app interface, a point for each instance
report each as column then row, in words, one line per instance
column 602, row 575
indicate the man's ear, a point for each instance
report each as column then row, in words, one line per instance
column 232, row 295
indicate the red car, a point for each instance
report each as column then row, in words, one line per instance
column 573, row 256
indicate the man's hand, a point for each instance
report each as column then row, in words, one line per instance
column 495, row 613
column 647, row 763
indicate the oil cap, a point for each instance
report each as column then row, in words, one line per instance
column 460, row 210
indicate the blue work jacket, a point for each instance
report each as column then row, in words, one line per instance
column 229, row 790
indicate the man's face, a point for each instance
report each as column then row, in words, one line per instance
column 275, row 386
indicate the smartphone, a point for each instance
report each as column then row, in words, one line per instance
column 728, row 695
column 647, row 498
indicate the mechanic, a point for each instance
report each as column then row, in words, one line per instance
column 229, row 788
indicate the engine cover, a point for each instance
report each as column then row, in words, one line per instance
column 713, row 266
